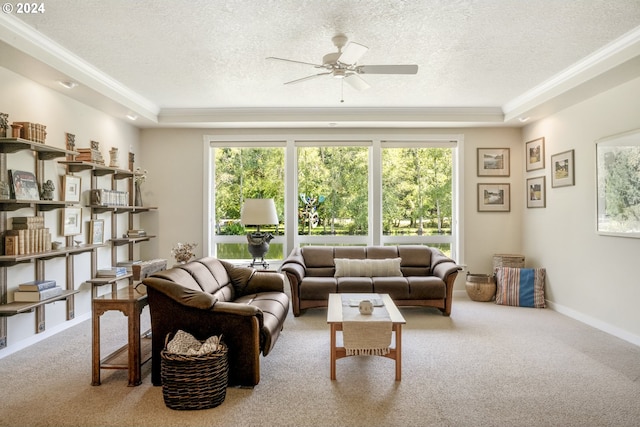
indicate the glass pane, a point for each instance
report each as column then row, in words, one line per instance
column 416, row 191
column 247, row 173
column 333, row 191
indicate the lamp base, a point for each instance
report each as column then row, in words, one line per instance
column 258, row 247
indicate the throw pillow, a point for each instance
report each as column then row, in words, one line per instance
column 521, row 287
column 346, row 267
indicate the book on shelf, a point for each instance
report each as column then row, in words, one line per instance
column 136, row 233
column 111, row 272
column 37, row 285
column 27, row 219
column 27, row 241
column 33, row 296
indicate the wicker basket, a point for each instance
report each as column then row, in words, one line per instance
column 481, row 287
column 194, row 382
column 507, row 260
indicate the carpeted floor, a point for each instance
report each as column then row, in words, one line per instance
column 486, row 365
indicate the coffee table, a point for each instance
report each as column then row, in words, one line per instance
column 335, row 319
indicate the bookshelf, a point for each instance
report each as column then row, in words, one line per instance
column 42, row 153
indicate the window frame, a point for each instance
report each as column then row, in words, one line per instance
column 292, row 140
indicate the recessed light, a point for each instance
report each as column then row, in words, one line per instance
column 132, row 117
column 68, row 84
column 523, row 119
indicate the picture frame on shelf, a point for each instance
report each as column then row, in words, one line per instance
column 493, row 162
column 536, row 192
column 71, row 221
column 494, row 197
column 534, row 154
column 617, row 176
column 23, row 185
column 96, row 231
column 71, row 188
column 562, row 169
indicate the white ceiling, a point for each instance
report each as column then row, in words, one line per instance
column 203, row 62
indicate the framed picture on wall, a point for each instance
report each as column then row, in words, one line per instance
column 71, row 221
column 96, row 231
column 494, row 197
column 534, row 152
column 562, row 169
column 493, row 162
column 536, row 197
column 617, row 177
column 70, row 188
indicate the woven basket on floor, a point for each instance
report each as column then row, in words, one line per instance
column 481, row 287
column 194, row 382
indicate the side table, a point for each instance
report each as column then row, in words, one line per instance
column 130, row 301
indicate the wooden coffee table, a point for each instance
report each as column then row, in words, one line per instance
column 335, row 319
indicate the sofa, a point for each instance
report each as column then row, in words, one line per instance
column 207, row 297
column 412, row 275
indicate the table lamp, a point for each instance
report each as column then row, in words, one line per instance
column 259, row 212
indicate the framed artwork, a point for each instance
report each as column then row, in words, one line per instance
column 617, row 177
column 96, row 231
column 71, row 188
column 534, row 153
column 536, row 197
column 71, row 221
column 494, row 198
column 562, row 169
column 23, row 185
column 493, row 162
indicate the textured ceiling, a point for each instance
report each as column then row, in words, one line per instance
column 212, row 53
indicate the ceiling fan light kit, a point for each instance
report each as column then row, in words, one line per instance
column 343, row 65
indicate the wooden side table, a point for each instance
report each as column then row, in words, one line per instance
column 130, row 301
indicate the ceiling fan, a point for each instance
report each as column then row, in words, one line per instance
column 344, row 65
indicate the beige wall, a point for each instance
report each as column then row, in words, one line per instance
column 591, row 277
column 174, row 159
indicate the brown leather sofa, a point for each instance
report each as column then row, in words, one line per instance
column 209, row 297
column 426, row 275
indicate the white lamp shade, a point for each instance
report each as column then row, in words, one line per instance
column 259, row 212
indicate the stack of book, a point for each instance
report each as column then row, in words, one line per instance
column 136, row 233
column 35, row 132
column 28, row 235
column 37, row 290
column 109, row 198
column 111, row 272
column 89, row 155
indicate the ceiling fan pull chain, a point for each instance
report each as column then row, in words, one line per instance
column 341, row 90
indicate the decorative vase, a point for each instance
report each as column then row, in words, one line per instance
column 138, row 195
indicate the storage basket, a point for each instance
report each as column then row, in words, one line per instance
column 507, row 260
column 194, row 381
column 481, row 287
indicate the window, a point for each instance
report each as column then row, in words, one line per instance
column 246, row 173
column 336, row 191
column 333, row 191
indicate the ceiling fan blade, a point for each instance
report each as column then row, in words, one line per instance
column 291, row 60
column 357, row 82
column 307, row 78
column 387, row 69
column 352, row 53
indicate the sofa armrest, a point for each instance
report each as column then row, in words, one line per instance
column 265, row 281
column 180, row 294
column 294, row 264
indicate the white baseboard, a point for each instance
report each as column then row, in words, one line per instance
column 596, row 323
column 21, row 345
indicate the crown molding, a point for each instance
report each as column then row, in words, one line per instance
column 618, row 54
column 24, row 38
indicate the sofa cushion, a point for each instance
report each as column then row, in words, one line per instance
column 521, row 287
column 318, row 288
column 367, row 267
